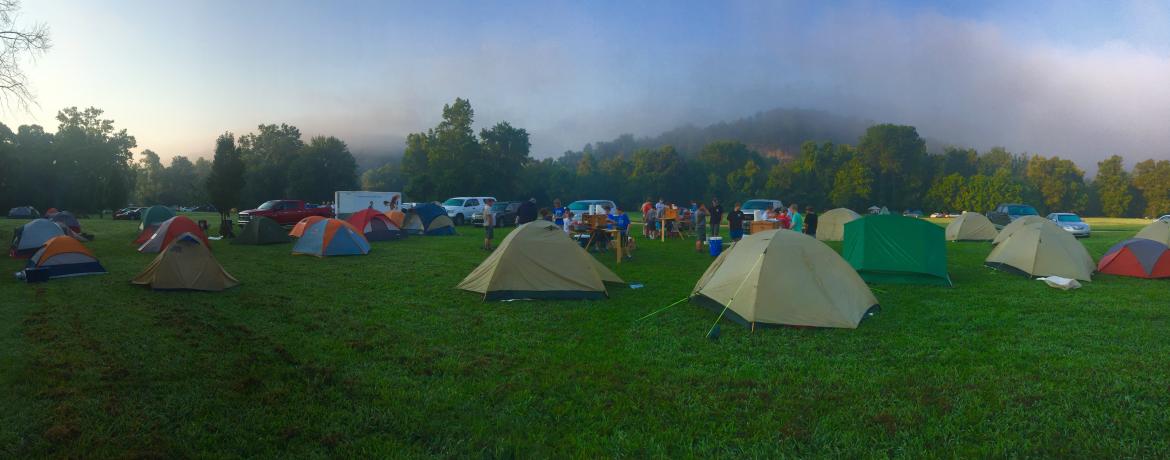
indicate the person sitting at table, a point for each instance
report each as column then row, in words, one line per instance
column 545, row 214
column 770, row 214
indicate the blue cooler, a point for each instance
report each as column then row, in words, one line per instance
column 716, row 245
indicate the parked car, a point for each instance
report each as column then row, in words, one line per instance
column 1007, row 213
column 505, row 212
column 461, row 208
column 753, row 208
column 579, row 207
column 1165, row 218
column 408, row 206
column 131, row 213
column 1071, row 223
column 285, row 212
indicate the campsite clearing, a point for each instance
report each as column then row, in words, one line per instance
column 381, row 356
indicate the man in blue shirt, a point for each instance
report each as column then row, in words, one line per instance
column 620, row 220
column 558, row 213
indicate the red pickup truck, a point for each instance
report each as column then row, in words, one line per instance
column 285, row 212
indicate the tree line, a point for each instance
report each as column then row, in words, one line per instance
column 87, row 166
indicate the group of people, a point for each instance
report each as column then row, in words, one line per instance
column 669, row 217
column 660, row 217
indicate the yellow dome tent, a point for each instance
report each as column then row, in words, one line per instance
column 971, row 226
column 1017, row 224
column 185, row 264
column 538, row 261
column 1158, row 231
column 1039, row 249
column 785, row 277
column 831, row 225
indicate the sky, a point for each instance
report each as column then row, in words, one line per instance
column 1081, row 80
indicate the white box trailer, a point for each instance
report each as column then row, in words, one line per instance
column 349, row 202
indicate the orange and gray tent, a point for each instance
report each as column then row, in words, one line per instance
column 1042, row 249
column 1137, row 257
column 170, row 230
column 1158, row 231
column 152, row 218
column 971, row 226
column 831, row 225
column 538, row 261
column 781, row 277
column 1017, row 224
column 62, row 257
column 185, row 264
column 332, row 237
column 397, row 217
column 29, row 238
column 299, row 228
column 375, row 225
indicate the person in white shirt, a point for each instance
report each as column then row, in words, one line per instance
column 489, row 224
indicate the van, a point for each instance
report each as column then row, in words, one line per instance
column 461, row 208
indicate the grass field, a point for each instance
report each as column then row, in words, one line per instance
column 379, row 356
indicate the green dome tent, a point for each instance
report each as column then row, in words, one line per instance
column 898, row 250
column 154, row 216
column 262, row 230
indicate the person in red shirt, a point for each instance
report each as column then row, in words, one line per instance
column 785, row 221
column 646, row 207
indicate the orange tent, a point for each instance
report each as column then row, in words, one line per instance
column 169, row 230
column 397, row 217
column 299, row 228
column 63, row 256
column 375, row 225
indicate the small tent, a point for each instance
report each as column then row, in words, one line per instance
column 29, row 238
column 66, row 218
column 62, row 257
column 397, row 217
column 1158, row 231
column 971, row 226
column 23, row 212
column 261, row 230
column 50, row 212
column 538, row 261
column 299, row 229
column 185, row 264
column 784, row 277
column 412, row 224
column 374, row 225
column 1017, row 224
column 170, row 230
column 896, row 249
column 831, row 225
column 332, row 237
column 434, row 220
column 1040, row 249
column 1137, row 257
column 152, row 218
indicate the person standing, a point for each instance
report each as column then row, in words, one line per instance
column 660, row 206
column 621, row 221
column 700, row 227
column 716, row 216
column 526, row 212
column 558, row 213
column 489, row 224
column 735, row 223
column 797, row 219
column 646, row 207
column 810, row 221
column 651, row 223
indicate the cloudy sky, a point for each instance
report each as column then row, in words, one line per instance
column 1077, row 79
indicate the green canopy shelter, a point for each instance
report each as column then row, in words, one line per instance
column 896, row 249
column 262, row 230
column 155, row 216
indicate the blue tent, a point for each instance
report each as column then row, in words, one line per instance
column 332, row 237
column 434, row 220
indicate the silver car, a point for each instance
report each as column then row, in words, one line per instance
column 1071, row 223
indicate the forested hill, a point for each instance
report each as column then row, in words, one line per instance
column 776, row 133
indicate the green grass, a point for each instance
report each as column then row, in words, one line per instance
column 379, row 356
